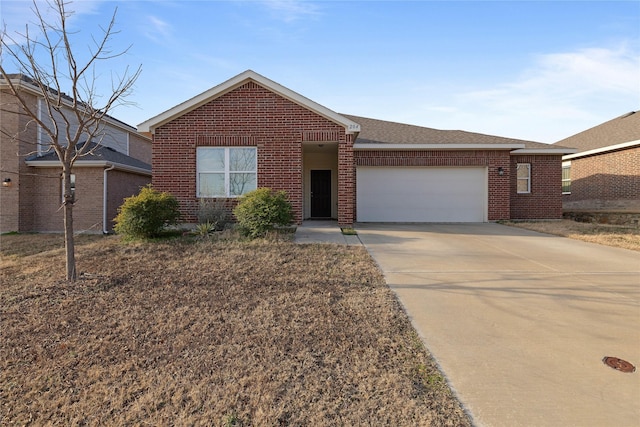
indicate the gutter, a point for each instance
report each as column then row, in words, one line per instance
column 104, row 199
column 549, row 151
column 386, row 146
column 87, row 164
column 624, row 145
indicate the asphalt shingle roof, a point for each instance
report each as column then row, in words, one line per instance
column 625, row 128
column 102, row 153
column 384, row 132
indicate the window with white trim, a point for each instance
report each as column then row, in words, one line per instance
column 524, row 178
column 226, row 171
column 566, row 178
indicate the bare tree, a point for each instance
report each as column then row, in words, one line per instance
column 71, row 123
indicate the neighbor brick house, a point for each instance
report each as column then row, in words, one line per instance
column 251, row 132
column 604, row 173
column 31, row 192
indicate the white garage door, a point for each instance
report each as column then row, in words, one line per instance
column 424, row 194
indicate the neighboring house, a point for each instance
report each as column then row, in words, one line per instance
column 604, row 173
column 251, row 132
column 31, row 192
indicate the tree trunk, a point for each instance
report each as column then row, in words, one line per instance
column 69, row 244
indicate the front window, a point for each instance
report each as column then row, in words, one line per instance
column 524, row 177
column 566, row 178
column 226, row 171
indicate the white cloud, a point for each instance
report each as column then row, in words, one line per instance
column 291, row 10
column 17, row 14
column 157, row 29
column 558, row 95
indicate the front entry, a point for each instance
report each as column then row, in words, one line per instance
column 320, row 194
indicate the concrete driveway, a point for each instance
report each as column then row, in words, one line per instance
column 520, row 321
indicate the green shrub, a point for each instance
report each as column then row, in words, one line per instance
column 204, row 230
column 262, row 209
column 147, row 214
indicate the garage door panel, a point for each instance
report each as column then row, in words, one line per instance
column 387, row 194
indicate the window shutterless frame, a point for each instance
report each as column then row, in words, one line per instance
column 523, row 178
column 225, row 171
column 566, row 178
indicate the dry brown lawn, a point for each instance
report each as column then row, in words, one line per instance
column 185, row 332
column 610, row 235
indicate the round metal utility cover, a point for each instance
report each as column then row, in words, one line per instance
column 619, row 364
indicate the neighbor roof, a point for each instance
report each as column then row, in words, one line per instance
column 235, row 82
column 27, row 83
column 376, row 134
column 101, row 156
column 621, row 130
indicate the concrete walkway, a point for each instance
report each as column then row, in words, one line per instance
column 324, row 232
column 520, row 321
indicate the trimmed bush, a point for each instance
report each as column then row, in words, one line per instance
column 262, row 209
column 147, row 214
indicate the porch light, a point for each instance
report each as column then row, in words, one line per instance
column 500, row 171
column 6, row 182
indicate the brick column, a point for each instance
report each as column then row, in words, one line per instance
column 346, row 182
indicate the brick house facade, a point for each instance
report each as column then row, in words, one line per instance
column 316, row 156
column 604, row 173
column 31, row 195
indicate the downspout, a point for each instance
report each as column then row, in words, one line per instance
column 104, row 200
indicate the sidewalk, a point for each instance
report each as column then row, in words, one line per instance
column 324, row 232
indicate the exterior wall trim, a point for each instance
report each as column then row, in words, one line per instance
column 88, row 164
column 543, row 151
column 217, row 91
column 439, row 147
column 602, row 150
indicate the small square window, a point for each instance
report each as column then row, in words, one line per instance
column 524, row 178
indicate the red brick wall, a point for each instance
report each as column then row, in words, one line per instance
column 605, row 181
column 545, row 199
column 499, row 200
column 346, row 182
column 249, row 115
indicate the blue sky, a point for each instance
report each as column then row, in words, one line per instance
column 540, row 70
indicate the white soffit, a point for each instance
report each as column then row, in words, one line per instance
column 550, row 150
column 87, row 164
column 150, row 125
column 383, row 146
column 602, row 150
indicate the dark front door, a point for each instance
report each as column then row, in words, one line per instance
column 320, row 194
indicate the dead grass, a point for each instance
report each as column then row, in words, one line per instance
column 603, row 234
column 210, row 333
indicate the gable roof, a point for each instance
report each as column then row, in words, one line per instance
column 380, row 134
column 621, row 132
column 102, row 156
column 235, row 82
